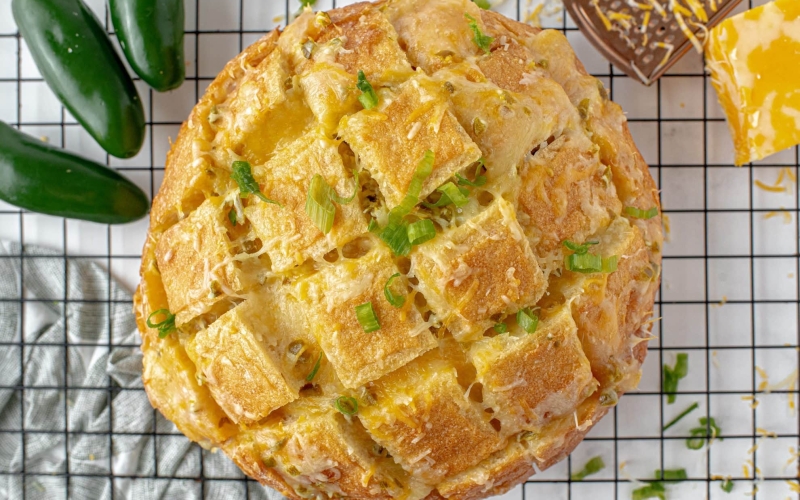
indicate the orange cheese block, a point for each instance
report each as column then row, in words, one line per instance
column 754, row 59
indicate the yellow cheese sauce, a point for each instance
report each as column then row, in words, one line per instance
column 754, row 60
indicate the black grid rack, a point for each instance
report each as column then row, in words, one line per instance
column 729, row 296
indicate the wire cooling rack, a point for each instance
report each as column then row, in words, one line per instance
column 729, row 297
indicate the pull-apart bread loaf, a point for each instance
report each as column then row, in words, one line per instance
column 465, row 318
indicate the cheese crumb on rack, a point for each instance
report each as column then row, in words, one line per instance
column 754, row 61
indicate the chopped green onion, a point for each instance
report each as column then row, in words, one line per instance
column 319, row 202
column 700, row 434
column 165, row 327
column 579, row 249
column 308, row 48
column 367, row 318
column 593, row 466
column 344, row 201
column 421, row 231
column 483, row 4
column 314, row 370
column 500, row 327
column 671, row 475
column 584, row 263
column 673, row 375
column 697, row 440
column 727, row 486
column 307, row 3
column 232, row 216
column 609, row 264
column 479, row 181
column 716, row 432
column 685, row 412
column 368, row 97
column 395, row 235
column 638, row 213
column 395, row 300
column 319, row 206
column 424, row 169
column 373, row 226
column 346, row 405
column 527, row 320
column 243, row 175
column 478, row 126
column 609, row 397
column 450, row 194
column 482, row 41
column 653, row 490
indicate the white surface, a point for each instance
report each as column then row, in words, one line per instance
column 711, row 255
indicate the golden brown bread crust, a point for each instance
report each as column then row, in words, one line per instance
column 448, row 408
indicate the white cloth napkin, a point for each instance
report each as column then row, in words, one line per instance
column 113, row 439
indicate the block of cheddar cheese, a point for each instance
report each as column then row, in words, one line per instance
column 754, row 59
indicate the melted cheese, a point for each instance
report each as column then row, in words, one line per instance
column 754, row 60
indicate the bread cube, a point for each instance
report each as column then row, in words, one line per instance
column 391, row 139
column 288, row 233
column 331, row 296
column 422, row 417
column 482, row 268
column 530, row 378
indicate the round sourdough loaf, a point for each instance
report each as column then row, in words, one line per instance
column 504, row 336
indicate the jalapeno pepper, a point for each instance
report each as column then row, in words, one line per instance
column 80, row 65
column 151, row 35
column 41, row 178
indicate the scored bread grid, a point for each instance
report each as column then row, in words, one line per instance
column 193, row 185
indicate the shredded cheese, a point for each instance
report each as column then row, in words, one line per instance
column 772, row 189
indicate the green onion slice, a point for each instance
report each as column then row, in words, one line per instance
column 584, row 263
column 367, row 318
column 395, row 300
column 500, row 327
column 700, row 434
column 671, row 376
column 368, row 97
column 609, row 264
column 609, row 397
column 344, row 201
column 450, row 194
column 685, row 412
column 727, row 486
column 671, row 475
column 319, row 206
column 479, row 181
column 373, row 226
column 424, row 169
column 395, row 235
column 593, row 466
column 243, row 175
column 579, row 249
column 716, row 432
column 166, row 326
column 314, row 370
column 698, row 438
column 483, row 42
column 527, row 320
column 638, row 213
column 346, row 405
column 319, row 202
column 421, row 231
column 308, row 48
column 232, row 216
column 483, row 4
column 653, row 490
